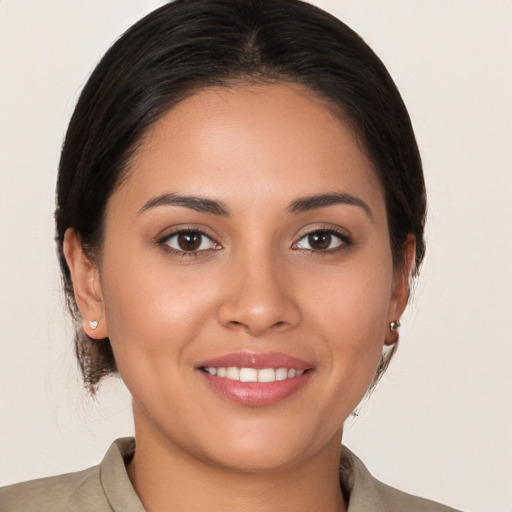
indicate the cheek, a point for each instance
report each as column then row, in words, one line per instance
column 350, row 310
column 353, row 300
column 153, row 314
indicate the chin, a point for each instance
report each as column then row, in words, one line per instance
column 265, row 448
column 256, row 459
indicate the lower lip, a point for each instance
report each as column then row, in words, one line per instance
column 256, row 394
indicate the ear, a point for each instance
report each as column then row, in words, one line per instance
column 400, row 291
column 86, row 286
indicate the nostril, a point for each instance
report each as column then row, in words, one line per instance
column 235, row 323
column 256, row 314
column 254, row 327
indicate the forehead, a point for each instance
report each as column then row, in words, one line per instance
column 275, row 141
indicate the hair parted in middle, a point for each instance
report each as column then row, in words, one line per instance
column 188, row 45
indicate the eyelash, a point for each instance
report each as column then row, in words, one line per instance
column 163, row 242
column 345, row 242
column 344, row 239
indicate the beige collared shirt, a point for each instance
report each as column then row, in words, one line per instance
column 107, row 488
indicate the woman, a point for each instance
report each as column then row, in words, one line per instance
column 240, row 210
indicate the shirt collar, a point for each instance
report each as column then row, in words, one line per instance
column 359, row 487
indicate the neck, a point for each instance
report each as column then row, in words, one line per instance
column 168, row 478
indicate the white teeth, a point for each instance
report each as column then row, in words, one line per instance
column 267, row 375
column 248, row 375
column 254, row 375
column 281, row 374
column 233, row 373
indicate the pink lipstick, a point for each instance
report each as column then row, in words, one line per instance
column 255, row 379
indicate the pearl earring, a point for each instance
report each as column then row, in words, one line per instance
column 394, row 325
column 93, row 324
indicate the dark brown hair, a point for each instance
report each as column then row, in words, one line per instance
column 188, row 45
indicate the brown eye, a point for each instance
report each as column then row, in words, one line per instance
column 190, row 241
column 322, row 240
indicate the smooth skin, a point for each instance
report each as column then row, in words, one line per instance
column 248, row 269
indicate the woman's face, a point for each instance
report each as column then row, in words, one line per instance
column 249, row 241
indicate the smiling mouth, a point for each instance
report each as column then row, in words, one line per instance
column 255, row 379
column 264, row 375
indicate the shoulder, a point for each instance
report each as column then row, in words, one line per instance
column 102, row 488
column 398, row 500
column 366, row 493
column 72, row 491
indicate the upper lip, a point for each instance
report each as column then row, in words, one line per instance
column 257, row 360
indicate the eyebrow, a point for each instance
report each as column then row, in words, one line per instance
column 198, row 203
column 305, row 204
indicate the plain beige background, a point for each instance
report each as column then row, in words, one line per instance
column 440, row 423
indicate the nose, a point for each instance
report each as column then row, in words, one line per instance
column 258, row 298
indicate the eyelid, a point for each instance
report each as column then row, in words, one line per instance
column 337, row 232
column 175, row 229
column 341, row 234
column 161, row 240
